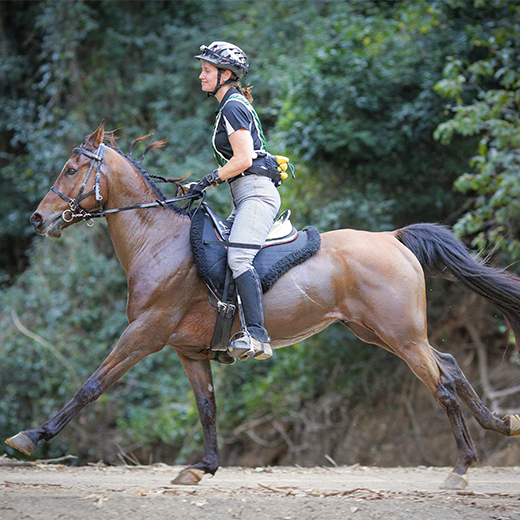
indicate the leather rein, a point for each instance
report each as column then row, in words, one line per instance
column 76, row 211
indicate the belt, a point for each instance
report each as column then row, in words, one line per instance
column 257, row 170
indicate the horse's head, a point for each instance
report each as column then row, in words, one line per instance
column 77, row 191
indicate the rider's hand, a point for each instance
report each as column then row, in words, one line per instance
column 211, row 179
column 197, row 188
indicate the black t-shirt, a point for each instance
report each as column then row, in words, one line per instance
column 235, row 112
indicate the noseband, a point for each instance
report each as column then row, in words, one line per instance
column 75, row 210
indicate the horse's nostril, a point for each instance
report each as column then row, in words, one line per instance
column 36, row 219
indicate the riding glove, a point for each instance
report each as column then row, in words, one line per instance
column 211, row 179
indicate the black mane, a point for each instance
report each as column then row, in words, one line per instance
column 146, row 176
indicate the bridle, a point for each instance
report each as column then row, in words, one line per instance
column 76, row 211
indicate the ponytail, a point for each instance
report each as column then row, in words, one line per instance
column 245, row 91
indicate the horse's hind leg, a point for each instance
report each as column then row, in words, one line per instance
column 446, row 395
column 508, row 425
column 134, row 345
column 443, row 384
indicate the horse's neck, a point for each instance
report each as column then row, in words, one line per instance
column 138, row 234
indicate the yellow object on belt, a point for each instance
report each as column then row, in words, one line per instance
column 282, row 165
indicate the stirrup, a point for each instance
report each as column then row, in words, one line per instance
column 246, row 346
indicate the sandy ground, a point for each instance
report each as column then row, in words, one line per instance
column 51, row 492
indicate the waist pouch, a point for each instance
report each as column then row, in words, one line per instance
column 272, row 166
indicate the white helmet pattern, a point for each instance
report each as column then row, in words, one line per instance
column 227, row 56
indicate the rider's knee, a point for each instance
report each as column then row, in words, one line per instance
column 238, row 263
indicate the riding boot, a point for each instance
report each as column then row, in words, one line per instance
column 254, row 341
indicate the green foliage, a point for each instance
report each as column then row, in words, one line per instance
column 362, row 109
column 86, row 62
column 486, row 92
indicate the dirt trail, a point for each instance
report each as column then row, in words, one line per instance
column 355, row 492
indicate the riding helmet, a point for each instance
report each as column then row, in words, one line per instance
column 225, row 55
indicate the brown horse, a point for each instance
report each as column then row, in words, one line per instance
column 371, row 282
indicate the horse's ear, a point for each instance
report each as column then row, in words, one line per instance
column 95, row 139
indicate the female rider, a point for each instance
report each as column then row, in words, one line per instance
column 239, row 145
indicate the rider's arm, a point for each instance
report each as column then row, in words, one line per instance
column 242, row 144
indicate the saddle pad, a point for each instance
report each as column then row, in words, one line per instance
column 271, row 262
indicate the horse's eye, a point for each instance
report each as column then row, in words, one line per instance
column 71, row 171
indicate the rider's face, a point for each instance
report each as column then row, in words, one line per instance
column 208, row 76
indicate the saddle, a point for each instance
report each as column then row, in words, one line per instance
column 285, row 248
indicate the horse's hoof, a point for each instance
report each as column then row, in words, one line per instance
column 21, row 442
column 514, row 425
column 188, row 477
column 455, row 481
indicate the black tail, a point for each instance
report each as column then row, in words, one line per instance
column 442, row 254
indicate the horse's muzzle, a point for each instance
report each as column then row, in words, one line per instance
column 50, row 228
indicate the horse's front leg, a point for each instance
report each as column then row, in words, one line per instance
column 201, row 380
column 137, row 342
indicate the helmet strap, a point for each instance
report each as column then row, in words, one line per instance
column 219, row 85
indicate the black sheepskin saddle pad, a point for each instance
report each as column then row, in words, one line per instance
column 209, row 234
